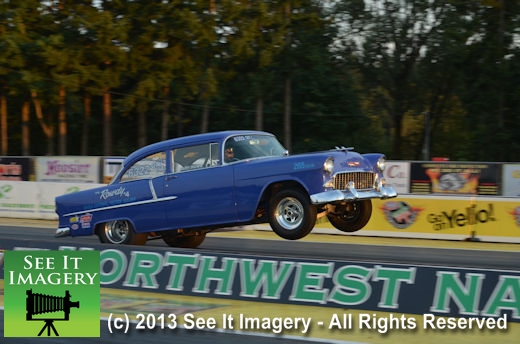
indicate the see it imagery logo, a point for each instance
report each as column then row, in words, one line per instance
column 51, row 293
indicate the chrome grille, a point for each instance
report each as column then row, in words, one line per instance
column 362, row 180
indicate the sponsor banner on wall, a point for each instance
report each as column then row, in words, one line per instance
column 34, row 200
column 377, row 286
column 397, row 175
column 111, row 166
column 16, row 168
column 68, row 169
column 455, row 178
column 18, row 199
column 511, row 180
column 487, row 218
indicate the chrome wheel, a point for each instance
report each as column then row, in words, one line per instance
column 117, row 232
column 289, row 213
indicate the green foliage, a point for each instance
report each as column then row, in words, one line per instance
column 363, row 73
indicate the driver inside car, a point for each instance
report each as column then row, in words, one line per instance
column 229, row 154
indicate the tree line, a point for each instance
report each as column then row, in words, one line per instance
column 411, row 78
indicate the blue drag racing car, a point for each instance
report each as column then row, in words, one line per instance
column 181, row 189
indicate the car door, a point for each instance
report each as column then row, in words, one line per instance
column 200, row 188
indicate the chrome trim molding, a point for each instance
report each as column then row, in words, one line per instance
column 130, row 204
column 152, row 189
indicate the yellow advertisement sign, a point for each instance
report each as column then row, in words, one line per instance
column 434, row 216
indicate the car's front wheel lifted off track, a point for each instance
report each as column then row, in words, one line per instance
column 291, row 214
column 121, row 232
column 352, row 216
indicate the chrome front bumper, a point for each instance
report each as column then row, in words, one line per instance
column 351, row 194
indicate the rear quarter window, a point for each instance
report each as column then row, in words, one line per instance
column 149, row 167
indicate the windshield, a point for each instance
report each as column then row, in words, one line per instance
column 252, row 146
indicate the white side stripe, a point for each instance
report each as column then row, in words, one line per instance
column 130, row 204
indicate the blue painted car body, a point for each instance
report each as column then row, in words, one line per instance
column 184, row 187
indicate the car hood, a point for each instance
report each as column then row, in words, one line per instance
column 343, row 160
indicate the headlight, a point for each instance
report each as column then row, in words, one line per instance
column 381, row 164
column 328, row 165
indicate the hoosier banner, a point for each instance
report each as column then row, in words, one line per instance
column 72, row 169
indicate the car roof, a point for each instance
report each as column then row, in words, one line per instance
column 216, row 136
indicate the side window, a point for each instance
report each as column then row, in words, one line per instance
column 152, row 166
column 195, row 157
